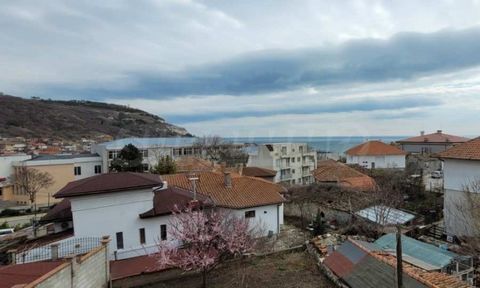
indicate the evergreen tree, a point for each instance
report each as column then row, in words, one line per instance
column 129, row 160
column 165, row 165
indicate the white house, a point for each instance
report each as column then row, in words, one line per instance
column 461, row 174
column 134, row 208
column 376, row 154
column 294, row 162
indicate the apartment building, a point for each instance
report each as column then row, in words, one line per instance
column 293, row 162
column 62, row 168
column 152, row 149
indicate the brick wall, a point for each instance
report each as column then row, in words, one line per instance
column 89, row 270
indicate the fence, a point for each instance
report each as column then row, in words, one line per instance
column 61, row 249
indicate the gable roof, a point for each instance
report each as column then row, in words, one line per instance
column 108, row 183
column 165, row 201
column 359, row 267
column 438, row 137
column 258, row 172
column 333, row 171
column 469, row 150
column 61, row 212
column 374, row 148
column 245, row 191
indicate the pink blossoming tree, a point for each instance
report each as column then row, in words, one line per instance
column 206, row 238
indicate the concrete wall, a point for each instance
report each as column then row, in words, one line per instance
column 89, row 270
column 381, row 161
column 267, row 218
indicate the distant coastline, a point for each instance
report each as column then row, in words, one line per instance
column 335, row 144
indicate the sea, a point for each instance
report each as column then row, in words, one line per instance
column 336, row 144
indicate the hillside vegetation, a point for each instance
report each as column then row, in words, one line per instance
column 72, row 120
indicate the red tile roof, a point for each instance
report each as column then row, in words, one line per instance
column 108, row 183
column 333, row 171
column 165, row 200
column 437, row 137
column 258, row 172
column 19, row 274
column 469, row 150
column 374, row 148
column 133, row 266
column 244, row 192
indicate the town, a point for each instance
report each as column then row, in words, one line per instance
column 111, row 211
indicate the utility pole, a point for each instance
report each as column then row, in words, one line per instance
column 399, row 258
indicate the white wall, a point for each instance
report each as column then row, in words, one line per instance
column 381, row 161
column 267, row 218
column 459, row 174
column 107, row 214
column 87, row 166
column 6, row 163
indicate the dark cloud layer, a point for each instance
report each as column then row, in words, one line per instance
column 404, row 56
column 369, row 104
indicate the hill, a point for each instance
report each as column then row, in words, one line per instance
column 72, row 120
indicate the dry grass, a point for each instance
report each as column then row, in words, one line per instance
column 296, row 269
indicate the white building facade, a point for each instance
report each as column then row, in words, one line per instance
column 294, row 162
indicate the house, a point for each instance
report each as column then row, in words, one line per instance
column 430, row 143
column 428, row 257
column 244, row 196
column 134, row 209
column 6, row 175
column 152, row 149
column 376, row 154
column 259, row 172
column 293, row 162
column 333, row 172
column 62, row 168
column 358, row 264
column 461, row 168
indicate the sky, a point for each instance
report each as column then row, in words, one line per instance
column 255, row 68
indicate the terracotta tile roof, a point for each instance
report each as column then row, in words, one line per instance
column 374, row 148
column 194, row 164
column 133, row 266
column 108, row 183
column 437, row 137
column 244, row 192
column 333, row 171
column 164, row 201
column 469, row 150
column 258, row 172
column 19, row 274
column 61, row 212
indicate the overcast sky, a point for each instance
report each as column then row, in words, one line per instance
column 255, row 68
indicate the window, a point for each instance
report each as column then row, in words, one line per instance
column 250, row 214
column 177, row 152
column 293, row 159
column 163, row 232
column 112, row 154
column 119, row 237
column 1, row 191
column 142, row 235
column 188, row 151
column 293, row 171
column 145, row 167
column 98, row 169
column 77, row 171
column 144, row 153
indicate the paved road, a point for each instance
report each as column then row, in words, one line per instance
column 15, row 220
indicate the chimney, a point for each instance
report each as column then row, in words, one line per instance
column 439, row 131
column 228, row 179
column 422, row 133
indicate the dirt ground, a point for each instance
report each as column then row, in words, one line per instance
column 296, row 269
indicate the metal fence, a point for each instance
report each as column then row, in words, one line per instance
column 60, row 249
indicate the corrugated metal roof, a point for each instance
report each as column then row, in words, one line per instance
column 423, row 255
column 384, row 215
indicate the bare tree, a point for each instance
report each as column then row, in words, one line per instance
column 219, row 150
column 30, row 181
